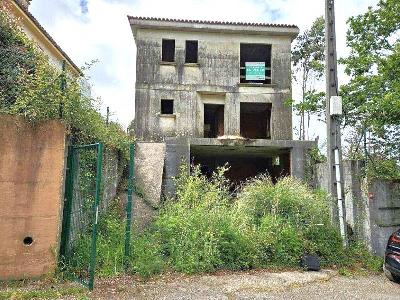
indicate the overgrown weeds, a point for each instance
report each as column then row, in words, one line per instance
column 265, row 226
column 205, row 229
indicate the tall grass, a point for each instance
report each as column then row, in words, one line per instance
column 205, row 229
column 266, row 225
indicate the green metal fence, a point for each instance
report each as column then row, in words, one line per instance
column 81, row 212
column 129, row 201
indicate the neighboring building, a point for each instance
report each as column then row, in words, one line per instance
column 20, row 10
column 214, row 93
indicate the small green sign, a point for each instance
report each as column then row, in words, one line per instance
column 255, row 70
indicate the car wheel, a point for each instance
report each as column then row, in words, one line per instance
column 390, row 276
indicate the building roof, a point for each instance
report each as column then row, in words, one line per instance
column 212, row 22
column 47, row 35
column 212, row 26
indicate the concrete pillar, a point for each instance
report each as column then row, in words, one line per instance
column 232, row 115
column 297, row 162
column 177, row 152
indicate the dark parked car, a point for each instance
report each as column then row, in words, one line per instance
column 391, row 266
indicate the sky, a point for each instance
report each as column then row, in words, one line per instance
column 98, row 30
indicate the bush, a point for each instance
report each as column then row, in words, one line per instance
column 110, row 246
column 288, row 198
column 147, row 258
column 206, row 229
column 281, row 242
column 267, row 225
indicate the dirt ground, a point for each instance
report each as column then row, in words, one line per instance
column 229, row 286
column 254, row 285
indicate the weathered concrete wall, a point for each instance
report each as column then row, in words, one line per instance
column 149, row 165
column 31, row 190
column 384, row 212
column 217, row 73
column 177, row 153
column 372, row 207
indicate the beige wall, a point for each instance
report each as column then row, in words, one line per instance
column 31, row 189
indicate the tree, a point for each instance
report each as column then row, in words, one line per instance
column 308, row 58
column 371, row 99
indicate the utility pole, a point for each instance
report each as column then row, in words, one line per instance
column 333, row 114
column 108, row 115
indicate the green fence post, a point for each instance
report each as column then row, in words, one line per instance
column 129, row 203
column 67, row 210
column 99, row 167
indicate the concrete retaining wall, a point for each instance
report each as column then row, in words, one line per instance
column 31, row 188
column 372, row 207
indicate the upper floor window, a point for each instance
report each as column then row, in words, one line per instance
column 168, row 50
column 191, row 52
column 255, row 63
column 167, row 106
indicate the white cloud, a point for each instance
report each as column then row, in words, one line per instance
column 103, row 33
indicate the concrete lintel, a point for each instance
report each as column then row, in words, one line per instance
column 211, row 89
column 252, row 143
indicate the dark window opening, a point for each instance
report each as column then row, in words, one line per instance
column 244, row 162
column 167, row 106
column 255, row 120
column 255, row 53
column 168, row 50
column 213, row 120
column 191, row 52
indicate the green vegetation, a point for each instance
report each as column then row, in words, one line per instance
column 383, row 169
column 371, row 98
column 110, row 246
column 308, row 58
column 33, row 88
column 266, row 226
column 54, row 293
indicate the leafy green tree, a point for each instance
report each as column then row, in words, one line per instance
column 308, row 58
column 371, row 99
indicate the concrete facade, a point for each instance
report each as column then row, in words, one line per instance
column 215, row 81
column 31, row 192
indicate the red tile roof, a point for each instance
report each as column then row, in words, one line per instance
column 211, row 22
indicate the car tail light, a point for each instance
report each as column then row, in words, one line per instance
column 394, row 238
column 395, row 257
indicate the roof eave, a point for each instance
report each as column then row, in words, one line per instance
column 281, row 30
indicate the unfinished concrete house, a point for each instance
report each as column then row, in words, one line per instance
column 212, row 93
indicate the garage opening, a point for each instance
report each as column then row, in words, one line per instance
column 213, row 120
column 244, row 162
column 255, row 120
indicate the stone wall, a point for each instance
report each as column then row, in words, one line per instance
column 31, row 191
